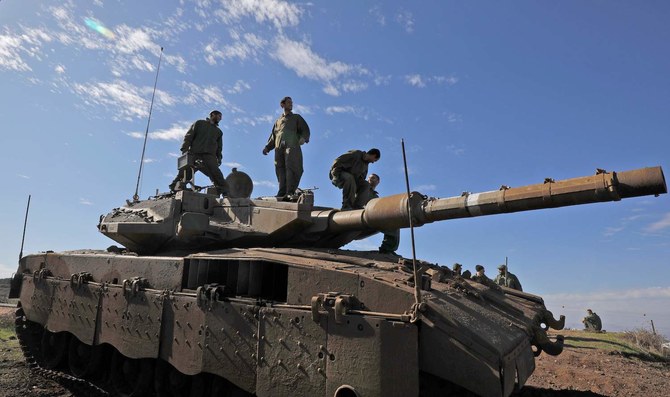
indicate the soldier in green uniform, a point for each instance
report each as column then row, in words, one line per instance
column 288, row 133
column 457, row 269
column 349, row 172
column 507, row 279
column 592, row 321
column 391, row 240
column 205, row 141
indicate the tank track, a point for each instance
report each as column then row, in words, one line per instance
column 28, row 335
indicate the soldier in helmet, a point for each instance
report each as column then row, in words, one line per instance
column 205, row 141
column 480, row 274
column 592, row 321
column 507, row 279
column 348, row 173
column 289, row 132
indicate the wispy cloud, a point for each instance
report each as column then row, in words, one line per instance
column 266, row 120
column 420, row 81
column 269, row 184
column 14, row 46
column 239, row 86
column 85, row 201
column 300, row 58
column 126, row 100
column 611, row 231
column 280, row 14
column 23, row 176
column 244, row 46
column 406, row 20
column 340, row 109
column 175, row 132
column 659, row 225
column 232, row 165
column 377, row 14
column 425, row 188
column 456, row 150
column 203, row 94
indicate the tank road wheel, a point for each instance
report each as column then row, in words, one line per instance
column 131, row 377
column 169, row 382
column 84, row 360
column 54, row 347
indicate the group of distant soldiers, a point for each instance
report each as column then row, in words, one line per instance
column 349, row 172
column 504, row 277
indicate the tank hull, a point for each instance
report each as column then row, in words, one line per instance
column 287, row 321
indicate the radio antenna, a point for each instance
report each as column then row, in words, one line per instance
column 136, row 196
column 25, row 223
column 417, row 281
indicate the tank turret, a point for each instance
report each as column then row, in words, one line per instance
column 189, row 221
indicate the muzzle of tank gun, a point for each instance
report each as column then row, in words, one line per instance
column 551, row 322
column 542, row 343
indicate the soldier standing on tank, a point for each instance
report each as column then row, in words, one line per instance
column 289, row 132
column 204, row 140
column 348, row 173
column 592, row 321
column 391, row 240
column 507, row 279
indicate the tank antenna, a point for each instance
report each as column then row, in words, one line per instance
column 25, row 223
column 136, row 196
column 417, row 282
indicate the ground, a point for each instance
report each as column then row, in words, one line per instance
column 592, row 365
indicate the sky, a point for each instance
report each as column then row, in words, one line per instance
column 484, row 94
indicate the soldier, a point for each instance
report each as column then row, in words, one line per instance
column 289, row 132
column 479, row 275
column 592, row 321
column 391, row 240
column 457, row 268
column 205, row 141
column 348, row 173
column 507, row 279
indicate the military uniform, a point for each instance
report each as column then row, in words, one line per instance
column 288, row 133
column 509, row 280
column 205, row 141
column 348, row 173
column 391, row 240
column 592, row 322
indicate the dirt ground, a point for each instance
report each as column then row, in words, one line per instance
column 578, row 371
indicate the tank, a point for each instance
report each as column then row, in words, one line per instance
column 240, row 297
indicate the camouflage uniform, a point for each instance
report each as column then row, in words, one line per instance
column 509, row 280
column 288, row 133
column 348, row 173
column 205, row 141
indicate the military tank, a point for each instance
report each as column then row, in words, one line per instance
column 239, row 297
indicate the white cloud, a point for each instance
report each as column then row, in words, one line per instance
column 453, row 149
column 209, row 95
column 659, row 225
column 415, row 80
column 175, row 132
column 254, row 121
column 23, row 176
column 425, row 188
column 265, row 184
column 340, row 109
column 124, row 99
column 60, row 69
column 376, row 12
column 279, row 13
column 232, row 165
column 243, row 47
column 13, row 46
column 406, row 20
column 420, row 81
column 354, row 86
column 85, row 201
column 300, row 58
column 147, row 161
column 239, row 86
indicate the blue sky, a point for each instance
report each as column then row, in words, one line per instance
column 484, row 94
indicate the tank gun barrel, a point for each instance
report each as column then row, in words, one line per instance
column 392, row 212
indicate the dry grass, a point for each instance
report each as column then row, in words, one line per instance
column 646, row 340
